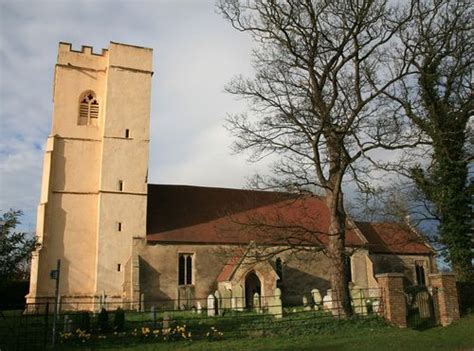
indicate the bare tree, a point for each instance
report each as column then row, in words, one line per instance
column 315, row 101
column 437, row 47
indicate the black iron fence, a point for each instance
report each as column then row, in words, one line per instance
column 89, row 324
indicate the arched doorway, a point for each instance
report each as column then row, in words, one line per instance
column 252, row 286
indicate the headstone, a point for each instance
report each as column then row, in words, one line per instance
column 211, row 305
column 233, row 303
column 102, row 302
column 67, row 324
column 142, row 302
column 358, row 301
column 327, row 301
column 276, row 308
column 166, row 320
column 376, row 306
column 256, row 303
column 306, row 305
column 198, row 307
column 238, row 294
column 218, row 296
column 226, row 296
column 316, row 298
column 153, row 315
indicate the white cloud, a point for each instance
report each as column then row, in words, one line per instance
column 195, row 54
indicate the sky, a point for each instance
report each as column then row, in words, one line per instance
column 196, row 52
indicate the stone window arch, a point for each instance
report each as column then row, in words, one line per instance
column 88, row 109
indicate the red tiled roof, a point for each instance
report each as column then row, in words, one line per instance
column 177, row 206
column 228, row 269
column 391, row 237
column 303, row 221
column 190, row 214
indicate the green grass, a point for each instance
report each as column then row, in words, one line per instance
column 252, row 331
column 458, row 336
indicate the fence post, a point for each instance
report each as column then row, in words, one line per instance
column 394, row 298
column 46, row 326
column 56, row 276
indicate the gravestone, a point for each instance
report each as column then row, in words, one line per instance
column 233, row 303
column 211, row 305
column 166, row 320
column 153, row 315
column 327, row 301
column 256, row 303
column 67, row 324
column 142, row 302
column 306, row 305
column 358, row 301
column 238, row 293
column 198, row 307
column 376, row 306
column 102, row 301
column 218, row 296
column 226, row 296
column 316, row 298
column 276, row 307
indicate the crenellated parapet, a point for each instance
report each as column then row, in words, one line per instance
column 85, row 49
column 85, row 58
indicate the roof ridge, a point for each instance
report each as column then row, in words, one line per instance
column 223, row 188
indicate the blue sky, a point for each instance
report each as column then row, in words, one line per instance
column 195, row 54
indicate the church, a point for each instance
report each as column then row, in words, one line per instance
column 122, row 239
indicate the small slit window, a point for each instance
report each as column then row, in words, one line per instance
column 120, row 185
column 88, row 110
column 119, row 226
column 119, row 267
column 127, row 133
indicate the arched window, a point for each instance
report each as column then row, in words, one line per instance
column 185, row 269
column 88, row 110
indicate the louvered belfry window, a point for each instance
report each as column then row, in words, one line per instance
column 89, row 110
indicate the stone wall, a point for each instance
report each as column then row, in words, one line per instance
column 302, row 272
column 404, row 264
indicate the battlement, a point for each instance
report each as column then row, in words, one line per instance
column 85, row 49
column 117, row 54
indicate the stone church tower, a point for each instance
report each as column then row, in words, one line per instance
column 94, row 188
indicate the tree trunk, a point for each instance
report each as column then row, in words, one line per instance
column 336, row 252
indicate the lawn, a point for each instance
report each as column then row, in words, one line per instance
column 458, row 336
